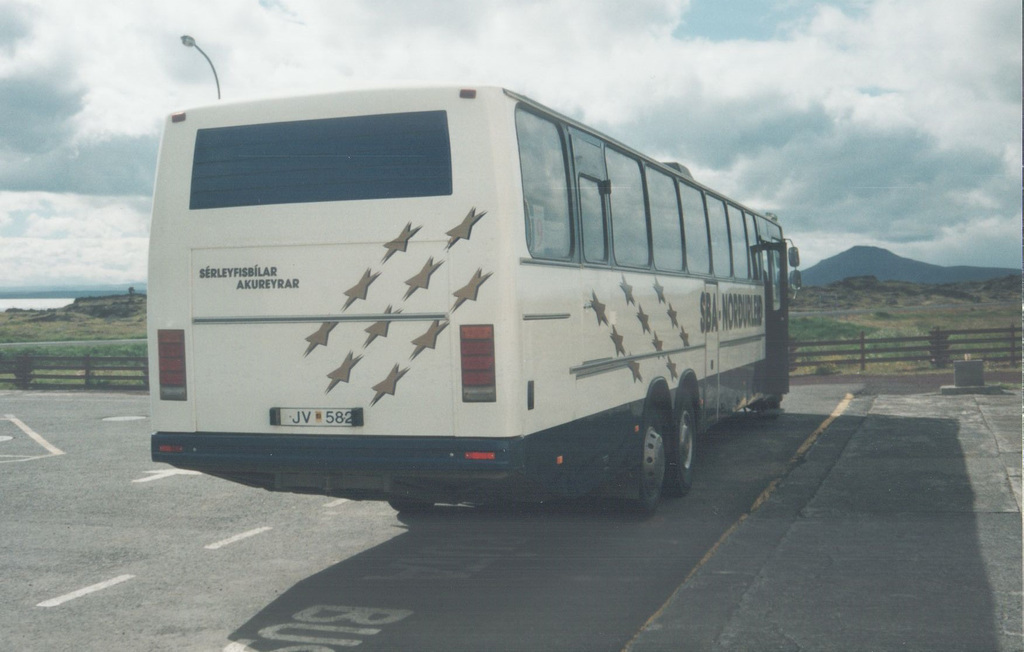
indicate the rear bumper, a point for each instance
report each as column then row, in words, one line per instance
column 363, row 467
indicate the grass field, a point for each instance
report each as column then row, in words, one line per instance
column 895, row 322
column 903, row 322
column 94, row 318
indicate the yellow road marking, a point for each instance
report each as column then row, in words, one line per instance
column 804, row 447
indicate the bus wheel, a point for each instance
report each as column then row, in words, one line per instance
column 409, row 506
column 679, row 477
column 652, row 468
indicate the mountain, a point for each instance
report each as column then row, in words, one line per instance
column 887, row 266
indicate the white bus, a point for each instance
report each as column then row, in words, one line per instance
column 448, row 295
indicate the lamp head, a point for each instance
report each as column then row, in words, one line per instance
column 188, row 41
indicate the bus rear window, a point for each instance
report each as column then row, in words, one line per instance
column 336, row 159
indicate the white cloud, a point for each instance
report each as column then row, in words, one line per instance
column 59, row 238
column 891, row 122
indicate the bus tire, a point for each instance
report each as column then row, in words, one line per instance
column 651, row 476
column 679, row 474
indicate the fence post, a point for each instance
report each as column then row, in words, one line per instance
column 939, row 342
column 863, row 353
column 23, row 371
column 87, row 363
column 1013, row 345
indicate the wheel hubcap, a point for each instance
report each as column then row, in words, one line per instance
column 653, row 467
column 685, row 443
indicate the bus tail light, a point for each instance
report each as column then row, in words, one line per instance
column 171, row 350
column 478, row 377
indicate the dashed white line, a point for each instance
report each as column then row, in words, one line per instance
column 335, row 503
column 86, row 591
column 237, row 538
column 160, row 474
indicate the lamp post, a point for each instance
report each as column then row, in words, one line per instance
column 190, row 42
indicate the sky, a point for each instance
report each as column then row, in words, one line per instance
column 892, row 123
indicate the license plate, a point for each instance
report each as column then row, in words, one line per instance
column 318, row 417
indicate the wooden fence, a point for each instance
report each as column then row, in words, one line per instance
column 939, row 348
column 74, row 372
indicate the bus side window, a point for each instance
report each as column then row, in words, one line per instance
column 774, row 234
column 665, row 226
column 545, row 187
column 595, row 244
column 752, row 239
column 719, row 237
column 629, row 218
column 695, row 230
column 738, row 237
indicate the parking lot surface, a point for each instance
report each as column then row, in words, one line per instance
column 850, row 521
column 903, row 533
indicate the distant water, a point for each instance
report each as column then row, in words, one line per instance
column 34, row 304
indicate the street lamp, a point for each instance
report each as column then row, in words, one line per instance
column 190, row 42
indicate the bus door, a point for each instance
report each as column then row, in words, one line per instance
column 710, row 318
column 776, row 319
column 593, row 206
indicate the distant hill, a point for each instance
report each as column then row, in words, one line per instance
column 69, row 291
column 887, row 266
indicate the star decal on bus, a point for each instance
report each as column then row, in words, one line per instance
column 598, row 309
column 469, row 291
column 319, row 338
column 658, row 344
column 422, row 280
column 429, row 339
column 465, row 229
column 684, row 336
column 388, row 385
column 379, row 328
column 617, row 339
column 671, row 366
column 359, row 290
column 401, row 242
column 627, row 289
column 634, row 366
column 644, row 319
column 342, row 373
column 660, row 291
column 672, row 314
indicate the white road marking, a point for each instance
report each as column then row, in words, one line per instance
column 239, row 646
column 280, row 633
column 160, row 474
column 86, row 591
column 336, row 503
column 238, row 537
column 36, row 437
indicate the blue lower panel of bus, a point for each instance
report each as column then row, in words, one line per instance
column 569, row 460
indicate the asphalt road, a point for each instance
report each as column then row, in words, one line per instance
column 101, row 549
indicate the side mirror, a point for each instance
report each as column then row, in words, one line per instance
column 794, row 257
column 795, row 279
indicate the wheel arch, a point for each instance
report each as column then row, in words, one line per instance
column 689, row 389
column 659, row 397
